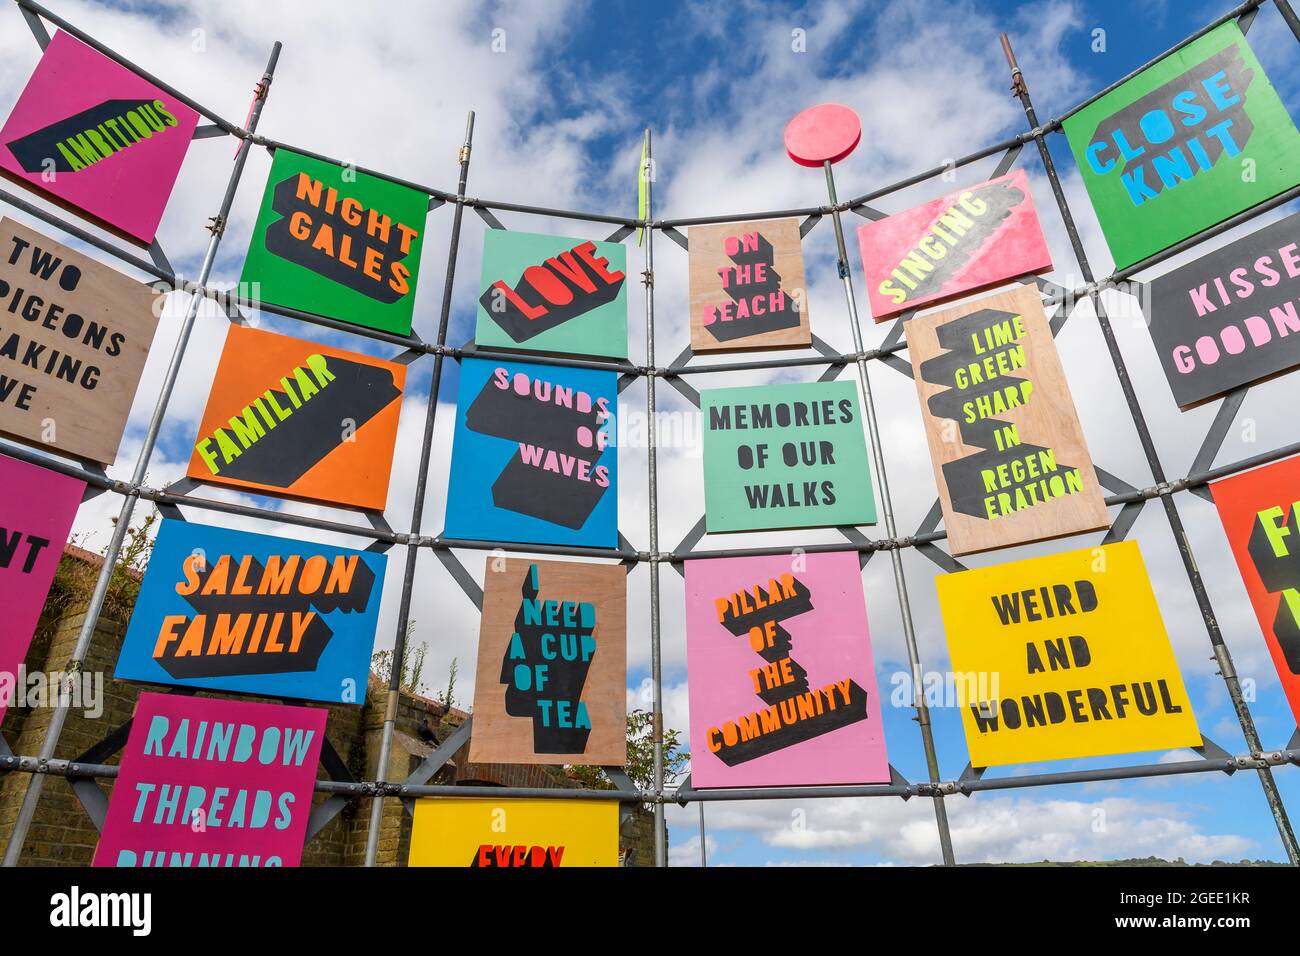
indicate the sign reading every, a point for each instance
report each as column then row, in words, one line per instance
column 514, row 833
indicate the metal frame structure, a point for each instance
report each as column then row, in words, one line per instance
column 341, row 786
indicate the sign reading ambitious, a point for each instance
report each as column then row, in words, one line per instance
column 515, row 833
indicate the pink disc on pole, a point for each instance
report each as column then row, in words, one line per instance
column 820, row 133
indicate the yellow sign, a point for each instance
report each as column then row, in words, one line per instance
column 1063, row 656
column 480, row 831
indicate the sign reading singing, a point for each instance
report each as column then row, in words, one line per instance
column 515, row 833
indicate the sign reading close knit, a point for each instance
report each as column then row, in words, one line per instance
column 1189, row 142
column 208, row 783
column 74, row 336
column 969, row 240
column 1009, row 456
column 1063, row 656
column 781, row 679
column 551, row 684
column 514, row 833
column 747, row 287
column 256, row 614
column 300, row 419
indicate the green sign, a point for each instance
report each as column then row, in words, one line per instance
column 337, row 242
column 1187, row 143
column 785, row 456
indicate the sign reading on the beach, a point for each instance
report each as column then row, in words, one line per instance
column 514, row 833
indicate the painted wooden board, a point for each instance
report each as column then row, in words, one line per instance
column 516, row 833
column 1008, row 451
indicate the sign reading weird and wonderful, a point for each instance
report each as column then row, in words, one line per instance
column 1189, row 142
column 514, row 834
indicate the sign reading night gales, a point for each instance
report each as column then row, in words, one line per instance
column 515, row 834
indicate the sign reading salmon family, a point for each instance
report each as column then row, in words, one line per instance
column 74, row 335
column 1063, row 656
column 747, row 287
column 256, row 614
column 552, row 294
column 533, row 458
column 300, row 419
column 1008, row 451
column 785, row 456
column 552, row 664
column 208, row 783
column 338, row 242
column 781, row 680
column 969, row 240
column 514, row 833
column 97, row 138
column 1190, row 141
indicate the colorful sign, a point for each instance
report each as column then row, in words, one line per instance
column 785, row 456
column 747, row 287
column 213, row 783
column 781, row 679
column 1189, row 142
column 533, row 459
column 255, row 614
column 552, row 664
column 966, row 241
column 97, row 138
column 1063, row 656
column 552, row 294
column 337, row 242
column 483, row 832
column 1008, row 450
column 74, row 335
column 300, row 419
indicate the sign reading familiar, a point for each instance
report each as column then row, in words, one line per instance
column 516, row 833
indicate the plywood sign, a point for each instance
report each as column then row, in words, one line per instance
column 969, row 240
column 74, row 335
column 97, row 138
column 1063, row 656
column 527, row 833
column 552, row 664
column 256, row 614
column 747, row 287
column 533, row 458
column 338, row 242
column 1193, row 139
column 300, row 419
column 213, row 783
column 782, row 683
column 785, row 456
column 1008, row 451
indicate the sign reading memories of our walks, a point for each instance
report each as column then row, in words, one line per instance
column 300, row 419
column 97, row 138
column 478, row 832
column 534, row 458
column 747, row 287
column 1190, row 141
column 256, row 614
column 781, row 679
column 1063, row 656
column 1008, row 451
column 74, row 335
column 543, row 293
column 552, row 664
column 213, row 783
column 785, row 456
column 337, row 242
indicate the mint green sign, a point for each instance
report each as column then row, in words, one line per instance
column 785, row 456
column 1187, row 143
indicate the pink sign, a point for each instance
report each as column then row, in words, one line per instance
column 93, row 135
column 781, row 681
column 969, row 240
column 213, row 783
column 37, row 508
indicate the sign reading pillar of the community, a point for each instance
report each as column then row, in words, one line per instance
column 1063, row 656
column 552, row 664
column 782, row 683
column 515, row 833
column 1008, row 451
column 213, row 783
column 1189, row 142
column 747, row 287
